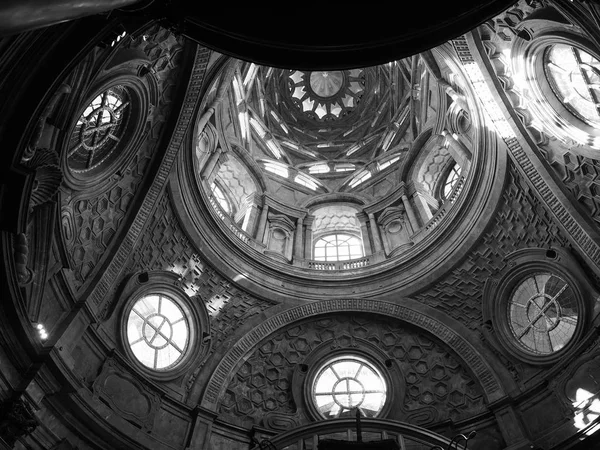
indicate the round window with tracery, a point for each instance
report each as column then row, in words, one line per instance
column 158, row 332
column 543, row 313
column 99, row 130
column 574, row 76
column 347, row 383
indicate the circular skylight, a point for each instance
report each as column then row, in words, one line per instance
column 326, row 84
column 157, row 332
column 543, row 313
column 346, row 383
column 326, row 95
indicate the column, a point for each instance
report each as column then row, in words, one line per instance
column 262, row 223
column 212, row 162
column 410, row 213
column 250, row 219
column 308, row 240
column 461, row 154
column 298, row 243
column 375, row 234
column 362, row 219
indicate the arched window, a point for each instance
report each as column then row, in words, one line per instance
column 450, row 181
column 222, row 199
column 346, row 383
column 338, row 247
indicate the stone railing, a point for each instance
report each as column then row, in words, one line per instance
column 308, row 437
column 350, row 264
column 237, row 231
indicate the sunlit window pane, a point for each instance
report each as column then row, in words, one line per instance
column 157, row 332
column 543, row 313
column 338, row 247
column 575, row 78
column 346, row 383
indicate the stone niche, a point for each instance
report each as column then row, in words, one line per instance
column 279, row 240
column 396, row 233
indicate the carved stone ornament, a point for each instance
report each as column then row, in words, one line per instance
column 48, row 176
column 21, row 248
column 126, row 395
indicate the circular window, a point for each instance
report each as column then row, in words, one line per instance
column 574, row 76
column 347, row 383
column 99, row 129
column 559, row 77
column 543, row 313
column 157, row 332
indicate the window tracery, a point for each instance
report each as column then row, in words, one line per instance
column 543, row 313
column 157, row 331
column 338, row 247
column 99, row 129
column 450, row 181
column 347, row 383
column 574, row 75
column 326, row 95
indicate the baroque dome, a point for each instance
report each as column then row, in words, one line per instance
column 206, row 252
column 340, row 175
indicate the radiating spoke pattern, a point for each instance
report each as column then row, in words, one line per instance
column 346, row 383
column 98, row 130
column 326, row 95
column 338, row 247
column 157, row 332
column 575, row 78
column 543, row 313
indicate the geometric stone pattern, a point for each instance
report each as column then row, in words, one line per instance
column 433, row 167
column 96, row 220
column 433, row 377
column 164, row 246
column 235, row 177
column 109, row 278
column 580, row 175
column 521, row 222
column 331, row 218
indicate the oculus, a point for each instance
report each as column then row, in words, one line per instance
column 574, row 76
column 347, row 383
column 99, row 129
column 543, row 313
column 326, row 95
column 157, row 332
